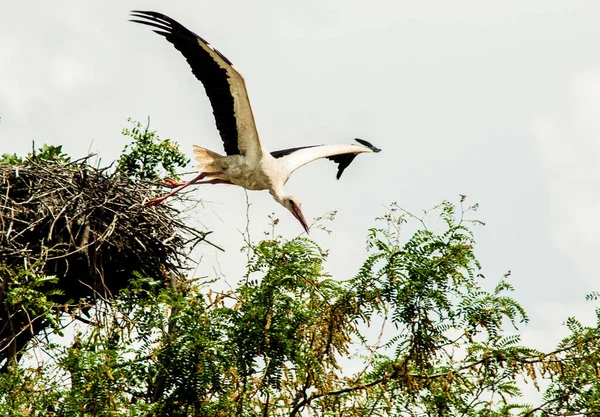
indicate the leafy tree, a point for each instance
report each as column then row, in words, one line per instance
column 144, row 157
column 414, row 333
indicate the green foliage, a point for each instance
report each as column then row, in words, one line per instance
column 26, row 297
column 45, row 153
column 574, row 372
column 10, row 159
column 446, row 325
column 28, row 391
column 415, row 332
column 148, row 157
column 28, row 292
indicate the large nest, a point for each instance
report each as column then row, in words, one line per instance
column 87, row 227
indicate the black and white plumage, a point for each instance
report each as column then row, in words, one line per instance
column 246, row 163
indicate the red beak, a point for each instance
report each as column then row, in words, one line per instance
column 298, row 214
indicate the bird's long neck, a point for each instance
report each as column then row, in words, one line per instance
column 278, row 193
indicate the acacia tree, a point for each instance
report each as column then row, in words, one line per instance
column 412, row 333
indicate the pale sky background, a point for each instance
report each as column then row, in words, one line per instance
column 496, row 100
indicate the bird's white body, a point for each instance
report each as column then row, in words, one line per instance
column 239, row 170
column 247, row 164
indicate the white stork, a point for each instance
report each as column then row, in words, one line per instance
column 247, row 164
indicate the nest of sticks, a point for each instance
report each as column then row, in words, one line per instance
column 87, row 227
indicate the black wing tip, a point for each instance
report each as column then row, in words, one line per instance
column 145, row 13
column 368, row 145
column 170, row 27
column 154, row 19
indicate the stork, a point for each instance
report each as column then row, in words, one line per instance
column 246, row 163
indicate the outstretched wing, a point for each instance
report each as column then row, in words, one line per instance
column 225, row 87
column 343, row 155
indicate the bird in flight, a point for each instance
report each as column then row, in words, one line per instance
column 246, row 163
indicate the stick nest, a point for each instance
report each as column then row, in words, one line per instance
column 86, row 226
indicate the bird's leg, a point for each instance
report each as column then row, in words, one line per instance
column 180, row 187
column 215, row 181
column 171, row 183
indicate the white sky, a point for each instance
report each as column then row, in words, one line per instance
column 496, row 100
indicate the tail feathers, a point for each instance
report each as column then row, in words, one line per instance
column 206, row 158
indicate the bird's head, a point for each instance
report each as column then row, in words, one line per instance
column 294, row 205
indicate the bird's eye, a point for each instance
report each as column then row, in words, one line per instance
column 292, row 204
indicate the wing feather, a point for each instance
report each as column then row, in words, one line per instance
column 225, row 87
column 343, row 154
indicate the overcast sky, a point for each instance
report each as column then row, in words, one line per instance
column 496, row 100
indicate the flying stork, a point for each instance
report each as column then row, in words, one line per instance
column 247, row 164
